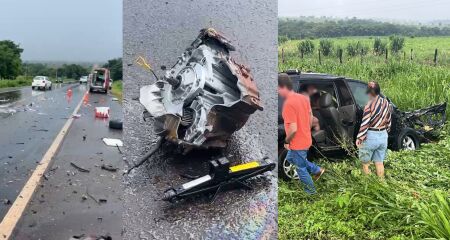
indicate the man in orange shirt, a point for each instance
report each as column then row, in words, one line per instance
column 297, row 117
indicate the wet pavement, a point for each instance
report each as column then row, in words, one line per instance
column 161, row 37
column 30, row 120
column 73, row 203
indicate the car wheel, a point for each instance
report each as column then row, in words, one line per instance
column 286, row 170
column 50, row 88
column 407, row 140
column 32, row 88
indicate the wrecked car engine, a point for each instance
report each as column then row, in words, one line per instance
column 205, row 97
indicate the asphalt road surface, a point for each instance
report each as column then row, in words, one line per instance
column 30, row 120
column 68, row 202
column 160, row 31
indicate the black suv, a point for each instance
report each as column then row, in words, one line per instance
column 339, row 104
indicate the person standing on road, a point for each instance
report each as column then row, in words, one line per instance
column 372, row 138
column 297, row 117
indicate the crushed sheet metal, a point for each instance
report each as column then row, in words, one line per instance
column 205, row 97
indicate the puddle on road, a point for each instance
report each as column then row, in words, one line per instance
column 10, row 97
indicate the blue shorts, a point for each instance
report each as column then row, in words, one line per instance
column 374, row 148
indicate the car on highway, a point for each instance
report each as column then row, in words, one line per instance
column 99, row 80
column 83, row 79
column 338, row 104
column 42, row 83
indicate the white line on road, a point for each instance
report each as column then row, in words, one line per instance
column 14, row 214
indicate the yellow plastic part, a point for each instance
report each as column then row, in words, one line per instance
column 244, row 166
column 141, row 61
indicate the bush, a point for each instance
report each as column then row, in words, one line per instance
column 397, row 43
column 326, row 47
column 379, row 46
column 282, row 39
column 306, row 47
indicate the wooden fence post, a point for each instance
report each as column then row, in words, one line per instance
column 282, row 55
column 386, row 57
column 404, row 55
column 411, row 54
column 301, row 53
column 362, row 55
column 340, row 55
column 435, row 56
column 320, row 59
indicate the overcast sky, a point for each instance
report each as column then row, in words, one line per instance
column 411, row 10
column 64, row 30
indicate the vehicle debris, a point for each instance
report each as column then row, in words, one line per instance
column 79, row 168
column 205, row 97
column 102, row 112
column 109, row 167
column 113, row 142
column 221, row 175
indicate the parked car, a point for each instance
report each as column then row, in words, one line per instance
column 83, row 79
column 99, row 80
column 339, row 105
column 41, row 82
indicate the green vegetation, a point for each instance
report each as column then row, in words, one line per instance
column 18, row 82
column 413, row 202
column 116, row 89
column 310, row 27
column 115, row 68
column 10, row 61
column 410, row 84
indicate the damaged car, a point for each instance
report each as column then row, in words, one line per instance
column 338, row 104
column 204, row 97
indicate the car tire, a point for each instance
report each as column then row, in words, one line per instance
column 50, row 88
column 286, row 170
column 32, row 88
column 116, row 124
column 407, row 140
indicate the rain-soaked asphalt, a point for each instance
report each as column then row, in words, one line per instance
column 160, row 31
column 71, row 203
column 29, row 122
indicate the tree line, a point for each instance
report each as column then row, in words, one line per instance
column 328, row 28
column 11, row 65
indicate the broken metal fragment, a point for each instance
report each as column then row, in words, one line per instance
column 205, row 97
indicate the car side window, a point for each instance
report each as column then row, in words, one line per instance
column 345, row 96
column 359, row 92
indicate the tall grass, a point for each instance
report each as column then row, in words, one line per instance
column 18, row 82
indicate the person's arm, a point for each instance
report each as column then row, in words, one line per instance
column 389, row 118
column 290, row 132
column 364, row 124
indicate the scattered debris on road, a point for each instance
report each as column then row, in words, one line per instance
column 102, row 112
column 109, row 167
column 113, row 142
column 79, row 168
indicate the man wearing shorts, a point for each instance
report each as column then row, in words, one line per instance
column 297, row 117
column 372, row 138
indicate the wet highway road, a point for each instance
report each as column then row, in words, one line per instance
column 161, row 37
column 64, row 205
column 30, row 120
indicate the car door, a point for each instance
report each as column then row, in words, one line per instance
column 348, row 109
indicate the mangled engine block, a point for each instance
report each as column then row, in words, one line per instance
column 205, row 97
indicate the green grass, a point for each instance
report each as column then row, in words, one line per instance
column 18, row 82
column 353, row 206
column 116, row 89
column 413, row 201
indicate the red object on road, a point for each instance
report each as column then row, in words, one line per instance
column 102, row 112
